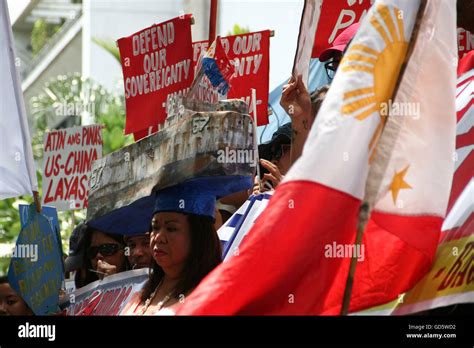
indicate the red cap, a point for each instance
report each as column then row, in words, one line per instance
column 340, row 43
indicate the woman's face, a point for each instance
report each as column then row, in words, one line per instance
column 170, row 241
column 11, row 303
column 106, row 252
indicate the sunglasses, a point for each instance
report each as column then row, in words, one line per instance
column 331, row 67
column 104, row 249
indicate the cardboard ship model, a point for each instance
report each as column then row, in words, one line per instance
column 219, row 143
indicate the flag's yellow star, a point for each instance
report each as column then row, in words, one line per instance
column 399, row 183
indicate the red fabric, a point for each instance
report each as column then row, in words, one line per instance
column 398, row 251
column 466, row 229
column 173, row 62
column 284, row 256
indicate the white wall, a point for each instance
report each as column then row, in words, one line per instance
column 283, row 16
column 113, row 19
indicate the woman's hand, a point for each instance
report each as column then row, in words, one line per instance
column 105, row 269
column 274, row 177
column 296, row 101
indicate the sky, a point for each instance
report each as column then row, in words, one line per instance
column 282, row 16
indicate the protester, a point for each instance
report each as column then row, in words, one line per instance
column 75, row 260
column 332, row 56
column 275, row 159
column 105, row 255
column 302, row 109
column 139, row 252
column 10, row 302
column 185, row 248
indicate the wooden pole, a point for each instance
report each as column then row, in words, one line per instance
column 253, row 92
column 374, row 183
column 213, row 20
column 37, row 201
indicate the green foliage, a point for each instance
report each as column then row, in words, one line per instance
column 109, row 46
column 237, row 30
column 41, row 33
column 105, row 107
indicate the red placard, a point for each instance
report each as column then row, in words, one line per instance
column 157, row 65
column 337, row 15
column 250, row 54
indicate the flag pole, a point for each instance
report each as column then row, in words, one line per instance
column 37, row 201
column 255, row 145
column 377, row 169
column 213, row 20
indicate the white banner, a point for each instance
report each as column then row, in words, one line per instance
column 17, row 170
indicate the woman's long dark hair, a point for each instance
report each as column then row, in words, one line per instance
column 205, row 255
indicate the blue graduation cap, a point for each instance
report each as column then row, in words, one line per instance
column 132, row 219
column 198, row 196
column 195, row 196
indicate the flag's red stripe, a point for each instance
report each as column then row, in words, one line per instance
column 465, row 139
column 281, row 267
column 398, row 251
column 466, row 229
column 461, row 178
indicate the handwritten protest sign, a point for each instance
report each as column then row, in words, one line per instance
column 156, row 64
column 250, row 55
column 49, row 212
column 107, row 296
column 35, row 270
column 337, row 15
column 68, row 156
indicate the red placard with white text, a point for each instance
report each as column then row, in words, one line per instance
column 157, row 66
column 250, row 54
column 337, row 15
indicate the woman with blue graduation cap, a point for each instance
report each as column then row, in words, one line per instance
column 184, row 243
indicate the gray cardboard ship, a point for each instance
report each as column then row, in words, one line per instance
column 191, row 144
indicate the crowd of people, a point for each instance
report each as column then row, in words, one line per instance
column 182, row 246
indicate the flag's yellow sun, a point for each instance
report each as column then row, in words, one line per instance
column 383, row 65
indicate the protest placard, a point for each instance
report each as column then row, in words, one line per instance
column 156, row 64
column 35, row 270
column 309, row 22
column 335, row 17
column 250, row 55
column 107, row 296
column 68, row 156
column 49, row 212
